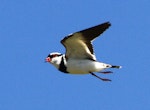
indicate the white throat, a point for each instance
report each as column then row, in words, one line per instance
column 56, row 61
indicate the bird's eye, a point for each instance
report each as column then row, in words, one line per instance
column 55, row 55
column 51, row 56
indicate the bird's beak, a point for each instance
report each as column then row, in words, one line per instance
column 48, row 59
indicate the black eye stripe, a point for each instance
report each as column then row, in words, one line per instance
column 49, row 56
column 59, row 55
column 54, row 55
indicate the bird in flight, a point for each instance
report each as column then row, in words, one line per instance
column 79, row 57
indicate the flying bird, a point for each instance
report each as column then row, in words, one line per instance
column 79, row 57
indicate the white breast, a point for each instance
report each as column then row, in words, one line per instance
column 83, row 66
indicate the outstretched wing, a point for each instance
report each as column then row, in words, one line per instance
column 78, row 45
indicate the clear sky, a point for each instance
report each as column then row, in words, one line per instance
column 31, row 29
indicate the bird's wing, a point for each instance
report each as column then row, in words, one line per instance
column 78, row 45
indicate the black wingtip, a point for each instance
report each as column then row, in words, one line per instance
column 107, row 22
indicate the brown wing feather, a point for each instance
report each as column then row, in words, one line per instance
column 93, row 32
column 79, row 44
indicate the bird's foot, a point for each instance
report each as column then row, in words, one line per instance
column 103, row 79
column 106, row 72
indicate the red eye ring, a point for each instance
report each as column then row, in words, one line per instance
column 48, row 59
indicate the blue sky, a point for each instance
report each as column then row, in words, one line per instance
column 31, row 29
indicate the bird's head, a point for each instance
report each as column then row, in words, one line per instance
column 54, row 58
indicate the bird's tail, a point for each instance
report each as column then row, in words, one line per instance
column 114, row 66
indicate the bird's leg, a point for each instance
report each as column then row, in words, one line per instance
column 103, row 79
column 106, row 72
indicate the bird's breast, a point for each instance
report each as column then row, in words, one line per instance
column 83, row 66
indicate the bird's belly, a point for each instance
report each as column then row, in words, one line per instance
column 83, row 66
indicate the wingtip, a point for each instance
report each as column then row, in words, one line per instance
column 108, row 23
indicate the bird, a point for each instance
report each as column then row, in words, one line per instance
column 79, row 57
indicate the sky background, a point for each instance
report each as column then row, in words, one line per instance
column 31, row 29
